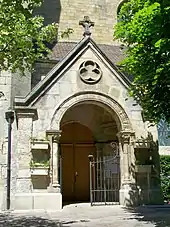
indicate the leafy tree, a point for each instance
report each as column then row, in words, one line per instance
column 165, row 175
column 23, row 37
column 143, row 26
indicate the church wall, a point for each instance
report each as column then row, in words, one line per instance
column 50, row 10
column 102, row 12
column 68, row 13
column 11, row 85
column 41, row 68
column 5, row 87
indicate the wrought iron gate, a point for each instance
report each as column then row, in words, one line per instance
column 105, row 175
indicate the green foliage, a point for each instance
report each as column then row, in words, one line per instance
column 165, row 173
column 143, row 26
column 20, row 33
column 44, row 163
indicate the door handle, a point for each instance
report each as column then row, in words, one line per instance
column 75, row 177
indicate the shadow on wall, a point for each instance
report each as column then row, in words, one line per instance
column 158, row 216
column 50, row 10
column 146, row 171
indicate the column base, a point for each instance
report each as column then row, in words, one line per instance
column 54, row 188
column 129, row 195
column 38, row 201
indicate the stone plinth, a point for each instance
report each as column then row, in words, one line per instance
column 129, row 195
column 38, row 201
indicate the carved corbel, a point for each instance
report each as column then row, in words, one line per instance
column 126, row 136
column 53, row 135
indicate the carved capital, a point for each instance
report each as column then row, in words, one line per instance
column 125, row 136
column 53, row 135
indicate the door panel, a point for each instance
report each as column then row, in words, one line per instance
column 82, row 181
column 76, row 144
column 75, row 171
column 67, row 172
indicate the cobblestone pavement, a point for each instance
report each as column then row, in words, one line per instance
column 84, row 215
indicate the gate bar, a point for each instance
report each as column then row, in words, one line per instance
column 91, row 192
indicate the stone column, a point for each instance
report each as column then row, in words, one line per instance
column 132, row 159
column 128, row 191
column 124, row 139
column 53, row 136
column 21, row 171
column 25, row 118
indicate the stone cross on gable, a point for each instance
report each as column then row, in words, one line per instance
column 86, row 23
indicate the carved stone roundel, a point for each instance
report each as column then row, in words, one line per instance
column 90, row 72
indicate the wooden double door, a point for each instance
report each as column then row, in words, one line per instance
column 75, row 171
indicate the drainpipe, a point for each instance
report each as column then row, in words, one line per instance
column 9, row 116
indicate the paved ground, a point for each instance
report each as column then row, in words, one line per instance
column 84, row 215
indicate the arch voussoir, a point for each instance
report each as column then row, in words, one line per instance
column 122, row 119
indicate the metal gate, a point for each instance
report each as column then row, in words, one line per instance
column 105, row 175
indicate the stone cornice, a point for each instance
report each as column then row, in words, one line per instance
column 26, row 112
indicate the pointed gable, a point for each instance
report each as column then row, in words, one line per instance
column 65, row 63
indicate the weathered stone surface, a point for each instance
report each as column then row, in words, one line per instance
column 23, row 185
column 103, row 13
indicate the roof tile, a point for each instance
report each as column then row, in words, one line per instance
column 114, row 53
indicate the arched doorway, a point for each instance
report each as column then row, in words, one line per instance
column 89, row 129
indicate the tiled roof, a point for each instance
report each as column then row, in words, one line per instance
column 114, row 53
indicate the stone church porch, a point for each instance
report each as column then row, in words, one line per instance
column 87, row 128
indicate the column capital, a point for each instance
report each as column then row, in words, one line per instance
column 54, row 134
column 26, row 112
column 125, row 136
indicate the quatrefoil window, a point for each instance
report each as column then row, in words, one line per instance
column 90, row 72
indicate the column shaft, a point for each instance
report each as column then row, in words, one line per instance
column 54, row 136
column 126, row 164
column 55, row 181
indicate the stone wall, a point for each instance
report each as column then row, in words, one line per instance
column 69, row 12
column 11, row 85
column 41, row 69
column 5, row 93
